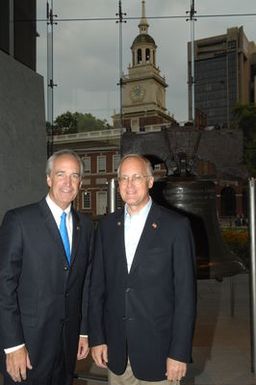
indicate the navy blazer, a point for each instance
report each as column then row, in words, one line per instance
column 40, row 295
column 147, row 314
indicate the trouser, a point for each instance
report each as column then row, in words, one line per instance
column 59, row 375
column 128, row 378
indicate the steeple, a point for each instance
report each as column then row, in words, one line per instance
column 143, row 46
column 143, row 26
column 143, row 92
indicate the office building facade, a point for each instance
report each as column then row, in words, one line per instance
column 223, row 76
column 18, row 30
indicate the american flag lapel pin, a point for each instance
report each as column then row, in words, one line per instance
column 154, row 226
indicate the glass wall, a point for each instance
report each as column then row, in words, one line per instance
column 89, row 49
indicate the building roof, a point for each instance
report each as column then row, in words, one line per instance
column 143, row 38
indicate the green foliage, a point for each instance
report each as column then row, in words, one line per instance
column 246, row 119
column 88, row 122
column 66, row 123
column 237, row 239
column 69, row 122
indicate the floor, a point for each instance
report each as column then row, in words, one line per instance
column 222, row 347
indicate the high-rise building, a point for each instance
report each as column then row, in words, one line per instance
column 223, row 76
column 18, row 30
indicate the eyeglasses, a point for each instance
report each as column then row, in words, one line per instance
column 135, row 179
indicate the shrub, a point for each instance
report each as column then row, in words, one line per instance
column 238, row 240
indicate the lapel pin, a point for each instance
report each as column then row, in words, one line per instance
column 154, row 226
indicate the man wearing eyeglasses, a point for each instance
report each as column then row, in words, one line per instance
column 142, row 298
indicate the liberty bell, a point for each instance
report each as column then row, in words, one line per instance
column 196, row 199
column 193, row 197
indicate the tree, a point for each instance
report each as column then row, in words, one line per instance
column 88, row 122
column 69, row 122
column 246, row 119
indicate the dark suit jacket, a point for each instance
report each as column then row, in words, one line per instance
column 149, row 312
column 40, row 296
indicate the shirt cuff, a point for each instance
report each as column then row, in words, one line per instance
column 13, row 348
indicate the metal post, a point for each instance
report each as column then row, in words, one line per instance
column 50, row 83
column 192, row 32
column 191, row 80
column 112, row 195
column 253, row 273
column 227, row 90
column 121, row 20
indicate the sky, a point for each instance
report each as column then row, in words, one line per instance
column 86, row 53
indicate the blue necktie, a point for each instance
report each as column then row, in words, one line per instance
column 64, row 235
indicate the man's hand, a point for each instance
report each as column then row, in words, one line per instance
column 17, row 363
column 83, row 348
column 100, row 355
column 175, row 370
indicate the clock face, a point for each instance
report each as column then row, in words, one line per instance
column 137, row 93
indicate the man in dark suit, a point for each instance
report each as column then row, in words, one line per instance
column 44, row 281
column 142, row 299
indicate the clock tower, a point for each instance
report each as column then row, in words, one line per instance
column 143, row 88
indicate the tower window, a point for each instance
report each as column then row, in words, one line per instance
column 139, row 56
column 147, row 54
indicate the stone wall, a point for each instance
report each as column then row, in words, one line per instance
column 22, row 135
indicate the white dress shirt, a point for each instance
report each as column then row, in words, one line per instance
column 133, row 227
column 56, row 212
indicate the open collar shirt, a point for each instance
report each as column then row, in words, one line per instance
column 133, row 227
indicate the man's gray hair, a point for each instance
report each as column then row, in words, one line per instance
column 57, row 154
column 147, row 163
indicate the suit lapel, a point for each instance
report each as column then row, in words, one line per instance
column 120, row 244
column 76, row 235
column 52, row 228
column 149, row 232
